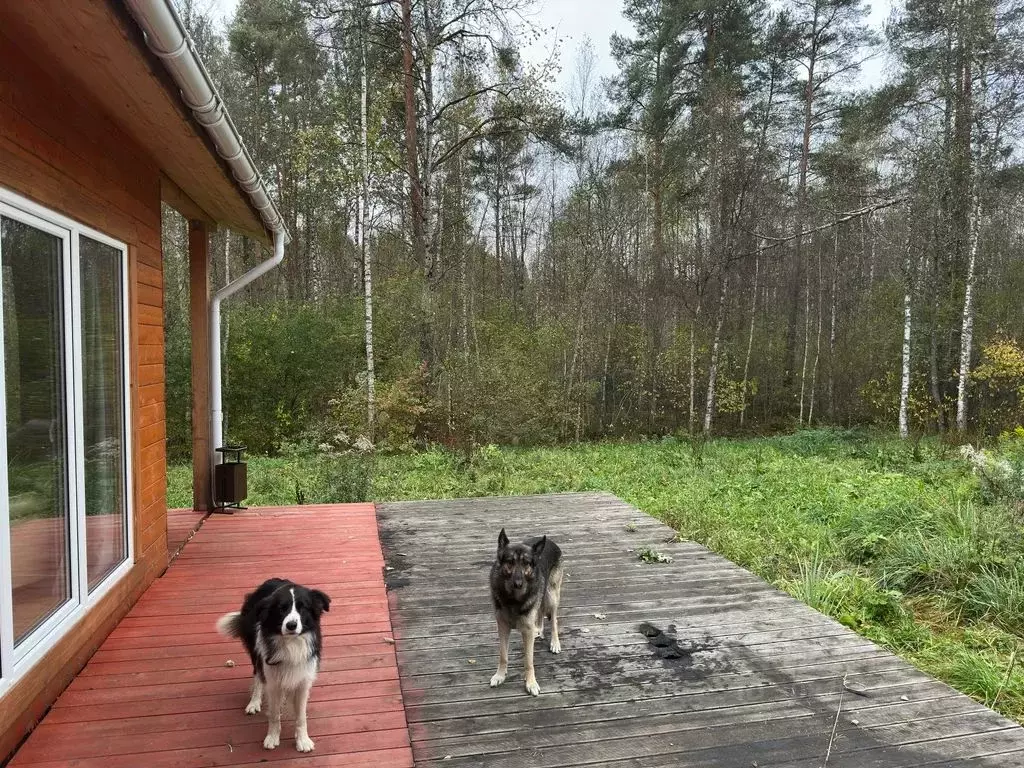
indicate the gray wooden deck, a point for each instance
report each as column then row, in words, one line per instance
column 757, row 680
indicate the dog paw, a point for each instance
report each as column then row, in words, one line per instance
column 303, row 743
column 252, row 708
column 271, row 741
column 556, row 646
column 497, row 679
column 532, row 688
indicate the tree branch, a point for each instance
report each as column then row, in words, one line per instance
column 839, row 219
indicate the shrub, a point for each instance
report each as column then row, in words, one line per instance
column 946, row 552
column 1000, row 476
column 324, row 475
column 997, row 595
column 507, row 393
column 980, row 675
column 821, row 442
column 853, row 599
column 1000, row 373
column 407, row 414
column 283, row 363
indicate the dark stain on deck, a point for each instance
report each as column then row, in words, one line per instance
column 396, row 566
column 738, row 675
column 166, row 691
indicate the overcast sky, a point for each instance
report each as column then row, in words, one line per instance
column 572, row 21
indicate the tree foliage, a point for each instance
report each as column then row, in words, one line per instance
column 734, row 233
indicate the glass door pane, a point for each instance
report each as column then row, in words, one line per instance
column 37, row 452
column 103, row 394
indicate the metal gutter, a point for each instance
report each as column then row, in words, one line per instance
column 216, row 396
column 168, row 39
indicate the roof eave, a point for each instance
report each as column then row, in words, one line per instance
column 168, row 39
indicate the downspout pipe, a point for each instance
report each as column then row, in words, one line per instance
column 168, row 39
column 216, row 395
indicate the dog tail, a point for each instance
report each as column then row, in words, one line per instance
column 230, row 624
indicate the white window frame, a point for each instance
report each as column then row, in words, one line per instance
column 15, row 662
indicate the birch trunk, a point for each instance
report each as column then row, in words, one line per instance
column 464, row 287
column 604, row 377
column 798, row 271
column 416, row 196
column 497, row 227
column 226, row 369
column 807, row 348
column 411, row 138
column 693, row 366
column 431, row 217
column 904, row 420
column 750, row 337
column 933, row 372
column 832, row 335
column 371, row 382
column 577, row 347
column 974, row 235
column 817, row 344
column 871, row 254
column 658, row 272
column 967, row 329
column 709, row 403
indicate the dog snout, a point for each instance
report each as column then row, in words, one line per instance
column 291, row 625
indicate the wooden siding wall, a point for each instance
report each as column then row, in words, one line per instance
column 59, row 150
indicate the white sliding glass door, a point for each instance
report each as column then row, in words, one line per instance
column 65, row 516
column 101, row 268
column 35, row 266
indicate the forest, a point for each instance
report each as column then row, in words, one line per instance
column 734, row 234
column 508, row 274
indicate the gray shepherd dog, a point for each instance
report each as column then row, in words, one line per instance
column 526, row 585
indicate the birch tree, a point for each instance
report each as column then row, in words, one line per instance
column 361, row 221
column 905, row 369
column 744, row 223
column 831, row 40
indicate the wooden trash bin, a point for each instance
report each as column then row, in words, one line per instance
column 231, row 479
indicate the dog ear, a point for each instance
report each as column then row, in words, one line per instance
column 321, row 602
column 502, row 540
column 538, row 546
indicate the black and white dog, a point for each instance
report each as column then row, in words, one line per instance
column 279, row 624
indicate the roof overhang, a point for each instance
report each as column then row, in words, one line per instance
column 104, row 52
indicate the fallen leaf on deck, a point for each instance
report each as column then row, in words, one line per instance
column 855, row 689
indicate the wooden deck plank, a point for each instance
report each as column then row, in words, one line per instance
column 181, row 525
column 226, row 753
column 209, row 703
column 160, row 691
column 762, row 684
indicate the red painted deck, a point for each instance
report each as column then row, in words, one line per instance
column 181, row 524
column 159, row 692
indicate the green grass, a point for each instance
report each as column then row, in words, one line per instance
column 901, row 545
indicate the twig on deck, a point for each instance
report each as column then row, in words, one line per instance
column 1006, row 678
column 855, row 689
column 835, row 725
